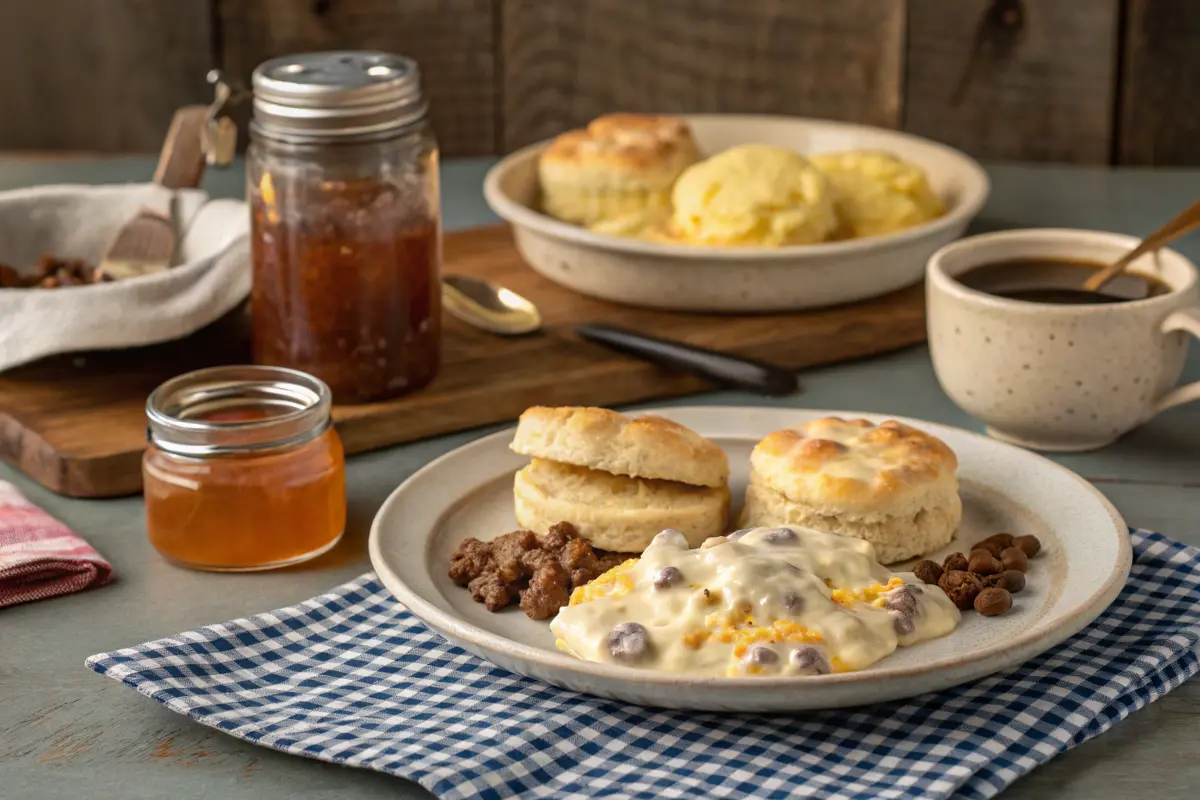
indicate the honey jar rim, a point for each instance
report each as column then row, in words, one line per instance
column 178, row 411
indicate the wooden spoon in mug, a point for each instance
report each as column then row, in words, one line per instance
column 1186, row 221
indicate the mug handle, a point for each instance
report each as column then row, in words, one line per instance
column 1188, row 321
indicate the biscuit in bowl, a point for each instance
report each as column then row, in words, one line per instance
column 876, row 193
column 641, row 447
column 889, row 484
column 620, row 165
column 616, row 512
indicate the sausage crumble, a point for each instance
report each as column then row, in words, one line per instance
column 538, row 572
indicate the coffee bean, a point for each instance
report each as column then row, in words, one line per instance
column 983, row 563
column 993, row 602
column 1029, row 545
column 928, row 571
column 1011, row 579
column 987, row 546
column 1015, row 558
column 961, row 587
column 1002, row 539
column 955, row 561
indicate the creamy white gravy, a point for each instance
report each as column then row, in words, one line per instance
column 764, row 601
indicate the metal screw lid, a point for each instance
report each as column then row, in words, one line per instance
column 338, row 94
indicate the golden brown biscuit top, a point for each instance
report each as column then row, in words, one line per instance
column 853, row 464
column 601, row 439
column 633, row 142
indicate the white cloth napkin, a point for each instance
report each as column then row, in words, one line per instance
column 212, row 277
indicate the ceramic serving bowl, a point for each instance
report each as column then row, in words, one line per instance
column 743, row 279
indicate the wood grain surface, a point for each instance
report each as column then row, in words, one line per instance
column 1021, row 79
column 1159, row 123
column 99, row 75
column 1035, row 80
column 452, row 40
column 564, row 63
column 77, row 424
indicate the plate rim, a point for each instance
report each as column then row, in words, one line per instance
column 1029, row 643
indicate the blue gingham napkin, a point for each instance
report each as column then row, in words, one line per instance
column 349, row 677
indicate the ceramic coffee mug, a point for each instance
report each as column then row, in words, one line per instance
column 1060, row 377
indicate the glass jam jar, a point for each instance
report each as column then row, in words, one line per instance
column 244, row 470
column 346, row 233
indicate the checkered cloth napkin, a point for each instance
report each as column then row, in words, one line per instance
column 352, row 678
column 39, row 556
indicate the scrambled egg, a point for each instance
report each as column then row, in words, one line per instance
column 753, row 195
column 875, row 192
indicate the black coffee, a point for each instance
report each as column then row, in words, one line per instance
column 1058, row 281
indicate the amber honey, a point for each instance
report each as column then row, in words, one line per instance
column 244, row 471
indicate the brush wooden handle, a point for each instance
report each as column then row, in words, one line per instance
column 181, row 162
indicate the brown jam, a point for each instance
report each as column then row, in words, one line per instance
column 347, row 286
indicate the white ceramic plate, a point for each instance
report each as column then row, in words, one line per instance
column 468, row 492
column 741, row 279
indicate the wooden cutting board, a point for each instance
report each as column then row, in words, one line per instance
column 77, row 423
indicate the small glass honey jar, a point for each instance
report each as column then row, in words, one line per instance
column 244, row 470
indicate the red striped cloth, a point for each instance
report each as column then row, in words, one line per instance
column 39, row 556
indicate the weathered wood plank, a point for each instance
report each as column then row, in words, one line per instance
column 99, row 75
column 566, row 62
column 1159, row 124
column 1016, row 79
column 453, row 40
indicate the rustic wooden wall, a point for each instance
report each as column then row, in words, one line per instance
column 454, row 41
column 567, row 62
column 1083, row 81
column 99, row 74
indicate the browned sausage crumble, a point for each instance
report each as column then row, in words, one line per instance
column 538, row 572
column 52, row 273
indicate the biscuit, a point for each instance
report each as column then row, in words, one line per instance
column 600, row 439
column 620, row 165
column 616, row 512
column 889, row 484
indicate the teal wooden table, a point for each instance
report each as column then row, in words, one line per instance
column 66, row 732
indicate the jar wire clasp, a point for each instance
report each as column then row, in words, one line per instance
column 219, row 135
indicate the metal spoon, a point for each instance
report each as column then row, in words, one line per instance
column 502, row 311
column 1185, row 221
column 488, row 307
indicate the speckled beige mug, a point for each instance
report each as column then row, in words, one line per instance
column 1060, row 377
